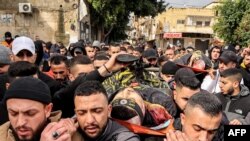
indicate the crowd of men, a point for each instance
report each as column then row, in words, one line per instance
column 120, row 92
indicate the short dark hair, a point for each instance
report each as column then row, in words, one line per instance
column 83, row 60
column 21, row 69
column 123, row 49
column 232, row 72
column 139, row 49
column 183, row 49
column 209, row 103
column 162, row 59
column 211, row 50
column 101, row 57
column 58, row 59
column 88, row 88
column 114, row 45
column 185, row 77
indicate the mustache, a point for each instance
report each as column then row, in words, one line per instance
column 23, row 127
column 91, row 126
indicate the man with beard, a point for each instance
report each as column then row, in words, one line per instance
column 234, row 96
column 92, row 111
column 28, row 103
column 150, row 57
column 8, row 39
column 245, row 69
column 184, row 86
column 200, row 119
column 227, row 60
column 59, row 68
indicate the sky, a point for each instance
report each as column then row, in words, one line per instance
column 188, row 3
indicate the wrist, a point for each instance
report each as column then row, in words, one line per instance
column 104, row 65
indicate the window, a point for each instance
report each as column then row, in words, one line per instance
column 180, row 21
column 216, row 13
column 198, row 23
column 207, row 23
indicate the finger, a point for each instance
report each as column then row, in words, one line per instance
column 168, row 137
column 59, row 132
column 185, row 137
column 69, row 124
column 64, row 137
column 179, row 136
column 233, row 122
column 173, row 136
column 49, row 127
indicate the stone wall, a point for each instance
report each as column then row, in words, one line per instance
column 42, row 22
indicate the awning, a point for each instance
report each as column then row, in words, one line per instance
column 172, row 35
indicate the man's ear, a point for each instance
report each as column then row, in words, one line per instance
column 234, row 65
column 7, row 86
column 236, row 84
column 109, row 110
column 12, row 57
column 35, row 55
column 48, row 109
column 71, row 77
column 182, row 115
column 174, row 85
column 174, row 90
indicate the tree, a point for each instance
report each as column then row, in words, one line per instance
column 243, row 31
column 229, row 19
column 110, row 17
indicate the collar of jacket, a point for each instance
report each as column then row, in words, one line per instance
column 243, row 65
column 244, row 91
column 7, row 134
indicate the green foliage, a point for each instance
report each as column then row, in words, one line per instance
column 113, row 15
column 243, row 31
column 229, row 21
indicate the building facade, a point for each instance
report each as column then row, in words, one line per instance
column 48, row 20
column 186, row 27
column 177, row 26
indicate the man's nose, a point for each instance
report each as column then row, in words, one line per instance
column 203, row 136
column 21, row 120
column 90, row 118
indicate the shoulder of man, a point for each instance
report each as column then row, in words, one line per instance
column 121, row 133
column 6, row 133
column 126, row 136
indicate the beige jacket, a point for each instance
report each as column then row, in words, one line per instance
column 7, row 135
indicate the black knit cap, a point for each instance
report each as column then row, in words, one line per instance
column 169, row 68
column 29, row 88
column 7, row 34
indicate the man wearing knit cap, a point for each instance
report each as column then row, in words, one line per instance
column 168, row 71
column 8, row 39
column 29, row 106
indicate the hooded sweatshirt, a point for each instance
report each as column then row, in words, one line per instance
column 236, row 107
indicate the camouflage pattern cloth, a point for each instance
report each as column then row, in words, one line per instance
column 125, row 78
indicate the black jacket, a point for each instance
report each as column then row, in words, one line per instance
column 53, row 85
column 246, row 76
column 64, row 99
column 113, row 132
column 236, row 107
